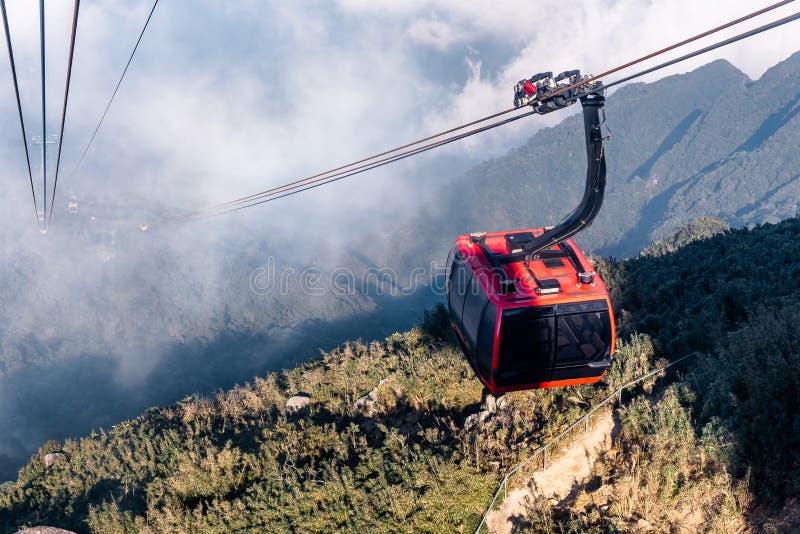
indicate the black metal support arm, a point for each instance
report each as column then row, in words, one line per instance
column 587, row 210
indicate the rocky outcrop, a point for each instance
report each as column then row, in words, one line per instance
column 44, row 530
column 52, row 457
column 366, row 405
column 297, row 404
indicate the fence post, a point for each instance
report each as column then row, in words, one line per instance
column 620, row 396
column 586, row 425
column 544, row 461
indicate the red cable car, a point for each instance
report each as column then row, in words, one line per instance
column 526, row 307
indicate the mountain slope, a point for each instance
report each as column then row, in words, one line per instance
column 396, row 439
column 707, row 143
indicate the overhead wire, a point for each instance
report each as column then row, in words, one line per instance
column 371, row 166
column 19, row 105
column 66, row 99
column 116, row 89
column 736, row 38
column 720, row 44
column 44, row 114
column 337, row 171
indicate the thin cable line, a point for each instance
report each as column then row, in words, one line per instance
column 315, row 178
column 19, row 106
column 44, row 114
column 709, row 48
column 114, row 94
column 66, row 98
column 369, row 167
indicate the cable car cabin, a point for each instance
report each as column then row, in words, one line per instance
column 526, row 307
column 543, row 323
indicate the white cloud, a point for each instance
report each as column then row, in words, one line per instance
column 590, row 35
column 225, row 100
column 436, row 33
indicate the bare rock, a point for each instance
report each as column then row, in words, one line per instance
column 484, row 416
column 366, row 404
column 502, row 403
column 297, row 404
column 53, row 457
column 490, row 404
column 470, row 421
column 44, row 530
column 644, row 524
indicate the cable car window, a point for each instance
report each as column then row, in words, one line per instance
column 526, row 351
column 486, row 338
column 583, row 338
column 460, row 277
column 449, row 269
column 474, row 302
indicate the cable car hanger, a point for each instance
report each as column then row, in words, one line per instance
column 591, row 95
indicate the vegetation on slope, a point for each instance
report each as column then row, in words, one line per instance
column 682, row 147
column 718, row 451
column 701, row 228
column 710, row 450
column 237, row 461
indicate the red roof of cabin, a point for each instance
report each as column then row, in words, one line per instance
column 525, row 293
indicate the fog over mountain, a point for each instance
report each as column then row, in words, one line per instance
column 710, row 142
column 99, row 320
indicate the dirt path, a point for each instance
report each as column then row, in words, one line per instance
column 574, row 465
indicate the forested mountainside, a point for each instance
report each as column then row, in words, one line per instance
column 395, row 438
column 133, row 319
column 92, row 309
column 711, row 142
column 102, row 320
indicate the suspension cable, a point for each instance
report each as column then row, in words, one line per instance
column 215, row 209
column 44, row 114
column 114, row 94
column 366, row 167
column 380, row 163
column 300, row 185
column 19, row 105
column 709, row 48
column 66, row 98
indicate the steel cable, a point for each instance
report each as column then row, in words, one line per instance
column 363, row 168
column 44, row 114
column 116, row 89
column 313, row 179
column 19, row 105
column 735, row 38
column 66, row 98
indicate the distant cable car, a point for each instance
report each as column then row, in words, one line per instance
column 72, row 204
column 526, row 306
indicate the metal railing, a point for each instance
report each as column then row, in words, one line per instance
column 542, row 451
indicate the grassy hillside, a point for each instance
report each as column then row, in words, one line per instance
column 719, row 446
column 85, row 306
column 238, row 461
